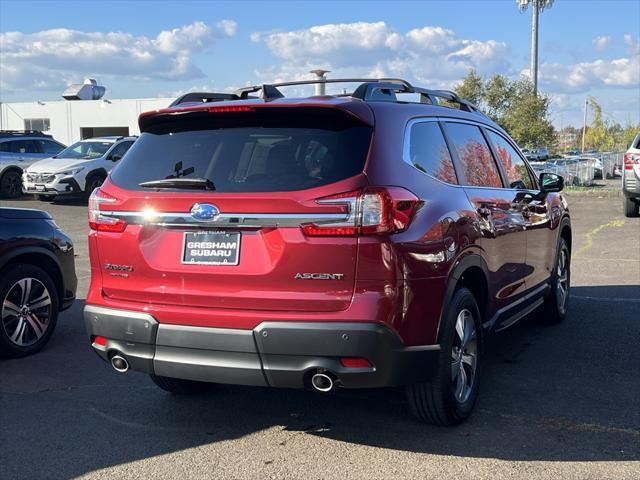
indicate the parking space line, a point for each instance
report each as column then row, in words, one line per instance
column 589, row 235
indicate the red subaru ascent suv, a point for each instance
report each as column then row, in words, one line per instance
column 368, row 239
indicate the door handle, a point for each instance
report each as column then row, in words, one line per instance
column 484, row 212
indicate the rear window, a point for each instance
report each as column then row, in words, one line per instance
column 283, row 150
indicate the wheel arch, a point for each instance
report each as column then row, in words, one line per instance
column 39, row 257
column 100, row 172
column 471, row 272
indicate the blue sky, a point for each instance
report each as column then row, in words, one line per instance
column 162, row 48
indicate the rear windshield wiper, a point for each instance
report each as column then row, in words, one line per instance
column 187, row 183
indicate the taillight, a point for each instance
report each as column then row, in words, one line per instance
column 100, row 222
column 373, row 210
column 630, row 160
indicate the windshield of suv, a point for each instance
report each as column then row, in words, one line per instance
column 85, row 149
column 283, row 154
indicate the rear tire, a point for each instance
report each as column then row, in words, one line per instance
column 630, row 207
column 179, row 386
column 10, row 184
column 449, row 398
column 556, row 303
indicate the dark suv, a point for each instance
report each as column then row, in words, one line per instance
column 37, row 279
column 359, row 240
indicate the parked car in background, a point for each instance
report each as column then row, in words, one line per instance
column 542, row 153
column 582, row 172
column 77, row 170
column 594, row 162
column 270, row 241
column 37, row 279
column 18, row 150
column 631, row 179
column 558, row 169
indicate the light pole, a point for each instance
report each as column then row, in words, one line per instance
column 536, row 7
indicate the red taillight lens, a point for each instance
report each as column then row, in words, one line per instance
column 100, row 222
column 373, row 210
column 98, row 340
column 350, row 362
column 630, row 160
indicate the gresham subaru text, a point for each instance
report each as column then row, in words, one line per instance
column 368, row 240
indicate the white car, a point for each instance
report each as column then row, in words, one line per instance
column 78, row 169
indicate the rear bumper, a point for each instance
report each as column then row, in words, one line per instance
column 277, row 354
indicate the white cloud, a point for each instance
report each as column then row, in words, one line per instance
column 50, row 59
column 621, row 72
column 601, row 42
column 633, row 47
column 431, row 54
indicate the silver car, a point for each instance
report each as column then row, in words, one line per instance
column 631, row 179
column 18, row 150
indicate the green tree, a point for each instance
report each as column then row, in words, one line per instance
column 512, row 104
column 597, row 136
column 471, row 88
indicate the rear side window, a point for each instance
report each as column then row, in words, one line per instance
column 428, row 152
column 24, row 146
column 517, row 173
column 262, row 152
column 119, row 150
column 478, row 166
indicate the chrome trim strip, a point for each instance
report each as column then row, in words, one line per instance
column 177, row 219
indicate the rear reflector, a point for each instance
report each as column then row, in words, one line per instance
column 98, row 340
column 350, row 362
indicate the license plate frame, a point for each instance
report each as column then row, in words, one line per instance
column 40, row 188
column 211, row 236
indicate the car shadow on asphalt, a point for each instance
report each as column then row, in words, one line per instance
column 549, row 393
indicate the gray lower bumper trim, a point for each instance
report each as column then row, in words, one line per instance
column 280, row 354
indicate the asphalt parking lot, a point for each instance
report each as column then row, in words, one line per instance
column 555, row 402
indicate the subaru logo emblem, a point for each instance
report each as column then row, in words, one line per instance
column 204, row 211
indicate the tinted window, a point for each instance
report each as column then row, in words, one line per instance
column 120, row 149
column 517, row 173
column 49, row 147
column 24, row 146
column 475, row 156
column 286, row 151
column 428, row 151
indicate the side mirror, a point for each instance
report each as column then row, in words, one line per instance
column 550, row 182
column 115, row 158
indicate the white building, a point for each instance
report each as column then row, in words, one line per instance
column 71, row 120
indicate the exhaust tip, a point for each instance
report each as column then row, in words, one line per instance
column 119, row 363
column 322, row 382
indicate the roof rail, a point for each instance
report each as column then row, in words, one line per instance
column 370, row 89
column 22, row 133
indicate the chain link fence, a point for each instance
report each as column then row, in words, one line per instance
column 583, row 170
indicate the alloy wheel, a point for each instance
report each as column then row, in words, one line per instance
column 464, row 356
column 26, row 312
column 562, row 286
